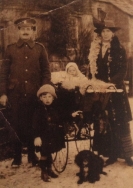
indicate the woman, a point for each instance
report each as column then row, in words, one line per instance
column 110, row 66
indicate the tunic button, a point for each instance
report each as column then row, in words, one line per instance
column 26, row 70
column 26, row 45
column 26, row 57
column 26, row 81
column 25, row 95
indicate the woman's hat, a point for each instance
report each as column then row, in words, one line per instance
column 46, row 89
column 106, row 24
column 25, row 22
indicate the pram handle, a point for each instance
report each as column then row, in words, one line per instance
column 110, row 89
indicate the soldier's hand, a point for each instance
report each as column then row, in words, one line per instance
column 3, row 100
column 38, row 141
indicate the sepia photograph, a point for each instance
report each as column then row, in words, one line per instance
column 66, row 93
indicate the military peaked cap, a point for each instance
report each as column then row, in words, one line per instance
column 25, row 22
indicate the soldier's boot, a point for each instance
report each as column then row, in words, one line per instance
column 17, row 156
column 129, row 161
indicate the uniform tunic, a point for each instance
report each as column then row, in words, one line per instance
column 24, row 70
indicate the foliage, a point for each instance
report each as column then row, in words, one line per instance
column 84, row 42
column 58, row 35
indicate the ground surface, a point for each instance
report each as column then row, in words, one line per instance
column 119, row 175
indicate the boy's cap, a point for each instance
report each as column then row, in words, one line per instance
column 25, row 22
column 47, row 89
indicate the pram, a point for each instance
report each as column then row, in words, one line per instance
column 91, row 98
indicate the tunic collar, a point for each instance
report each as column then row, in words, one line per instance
column 30, row 43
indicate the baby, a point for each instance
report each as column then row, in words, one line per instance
column 48, row 132
column 73, row 76
column 70, row 78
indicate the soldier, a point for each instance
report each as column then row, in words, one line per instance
column 25, row 68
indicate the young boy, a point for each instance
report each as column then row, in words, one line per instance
column 48, row 131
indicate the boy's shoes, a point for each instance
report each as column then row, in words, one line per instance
column 52, row 174
column 110, row 161
column 129, row 161
column 16, row 163
column 45, row 177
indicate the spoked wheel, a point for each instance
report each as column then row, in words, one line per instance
column 60, row 158
column 85, row 141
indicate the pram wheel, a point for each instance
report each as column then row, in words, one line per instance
column 60, row 158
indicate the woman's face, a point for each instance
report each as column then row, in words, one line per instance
column 106, row 34
column 72, row 71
